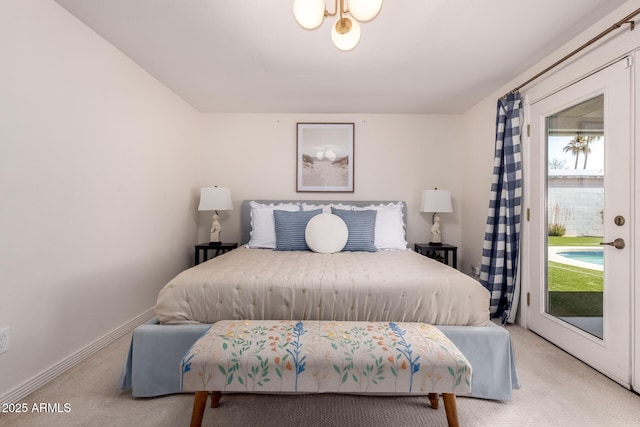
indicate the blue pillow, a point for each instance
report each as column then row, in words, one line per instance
column 290, row 228
column 362, row 228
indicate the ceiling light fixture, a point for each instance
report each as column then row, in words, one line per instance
column 345, row 33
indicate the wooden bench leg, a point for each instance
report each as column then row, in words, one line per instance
column 433, row 398
column 215, row 398
column 199, row 403
column 451, row 409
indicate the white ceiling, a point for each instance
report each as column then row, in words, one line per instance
column 417, row 56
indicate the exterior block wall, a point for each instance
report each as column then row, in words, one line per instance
column 577, row 202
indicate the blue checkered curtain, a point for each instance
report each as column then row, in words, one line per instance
column 502, row 236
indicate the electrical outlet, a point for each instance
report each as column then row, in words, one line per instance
column 4, row 339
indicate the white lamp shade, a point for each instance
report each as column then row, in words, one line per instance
column 364, row 10
column 436, row 201
column 309, row 14
column 215, row 199
column 346, row 41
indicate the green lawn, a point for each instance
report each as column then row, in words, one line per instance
column 574, row 241
column 566, row 278
column 574, row 291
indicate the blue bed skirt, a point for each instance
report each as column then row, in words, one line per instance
column 152, row 367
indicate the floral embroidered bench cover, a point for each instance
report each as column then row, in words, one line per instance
column 325, row 357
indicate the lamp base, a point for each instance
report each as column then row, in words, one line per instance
column 435, row 244
column 215, row 243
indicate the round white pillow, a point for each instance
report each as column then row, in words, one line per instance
column 326, row 233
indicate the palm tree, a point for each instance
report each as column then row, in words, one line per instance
column 586, row 149
column 574, row 147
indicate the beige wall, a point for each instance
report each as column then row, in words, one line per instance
column 479, row 136
column 396, row 156
column 97, row 167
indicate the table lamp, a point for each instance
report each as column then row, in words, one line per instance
column 215, row 199
column 436, row 201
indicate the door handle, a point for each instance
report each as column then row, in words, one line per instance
column 618, row 243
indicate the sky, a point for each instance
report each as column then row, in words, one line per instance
column 595, row 159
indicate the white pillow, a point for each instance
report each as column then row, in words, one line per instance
column 326, row 233
column 390, row 227
column 263, row 227
column 326, row 208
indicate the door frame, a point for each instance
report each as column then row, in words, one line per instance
column 599, row 55
column 535, row 249
column 635, row 231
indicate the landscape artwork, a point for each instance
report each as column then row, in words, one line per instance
column 325, row 157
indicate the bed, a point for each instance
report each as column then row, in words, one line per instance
column 267, row 279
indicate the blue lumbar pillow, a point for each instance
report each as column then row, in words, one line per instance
column 361, row 226
column 290, row 229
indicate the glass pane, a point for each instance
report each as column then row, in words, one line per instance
column 575, row 206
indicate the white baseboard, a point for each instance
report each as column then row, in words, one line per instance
column 19, row 393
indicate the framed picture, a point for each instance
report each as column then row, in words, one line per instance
column 324, row 157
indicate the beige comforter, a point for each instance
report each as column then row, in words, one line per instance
column 399, row 286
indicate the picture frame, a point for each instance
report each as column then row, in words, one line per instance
column 325, row 157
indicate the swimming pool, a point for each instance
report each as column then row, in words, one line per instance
column 592, row 256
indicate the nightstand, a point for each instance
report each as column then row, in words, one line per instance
column 432, row 251
column 219, row 249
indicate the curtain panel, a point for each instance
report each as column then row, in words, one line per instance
column 501, row 247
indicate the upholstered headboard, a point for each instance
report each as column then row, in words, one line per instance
column 246, row 210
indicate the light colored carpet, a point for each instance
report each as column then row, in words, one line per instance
column 557, row 390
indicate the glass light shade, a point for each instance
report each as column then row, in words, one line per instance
column 309, row 14
column 364, row 10
column 348, row 40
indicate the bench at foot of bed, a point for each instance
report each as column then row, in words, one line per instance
column 283, row 356
column 200, row 403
